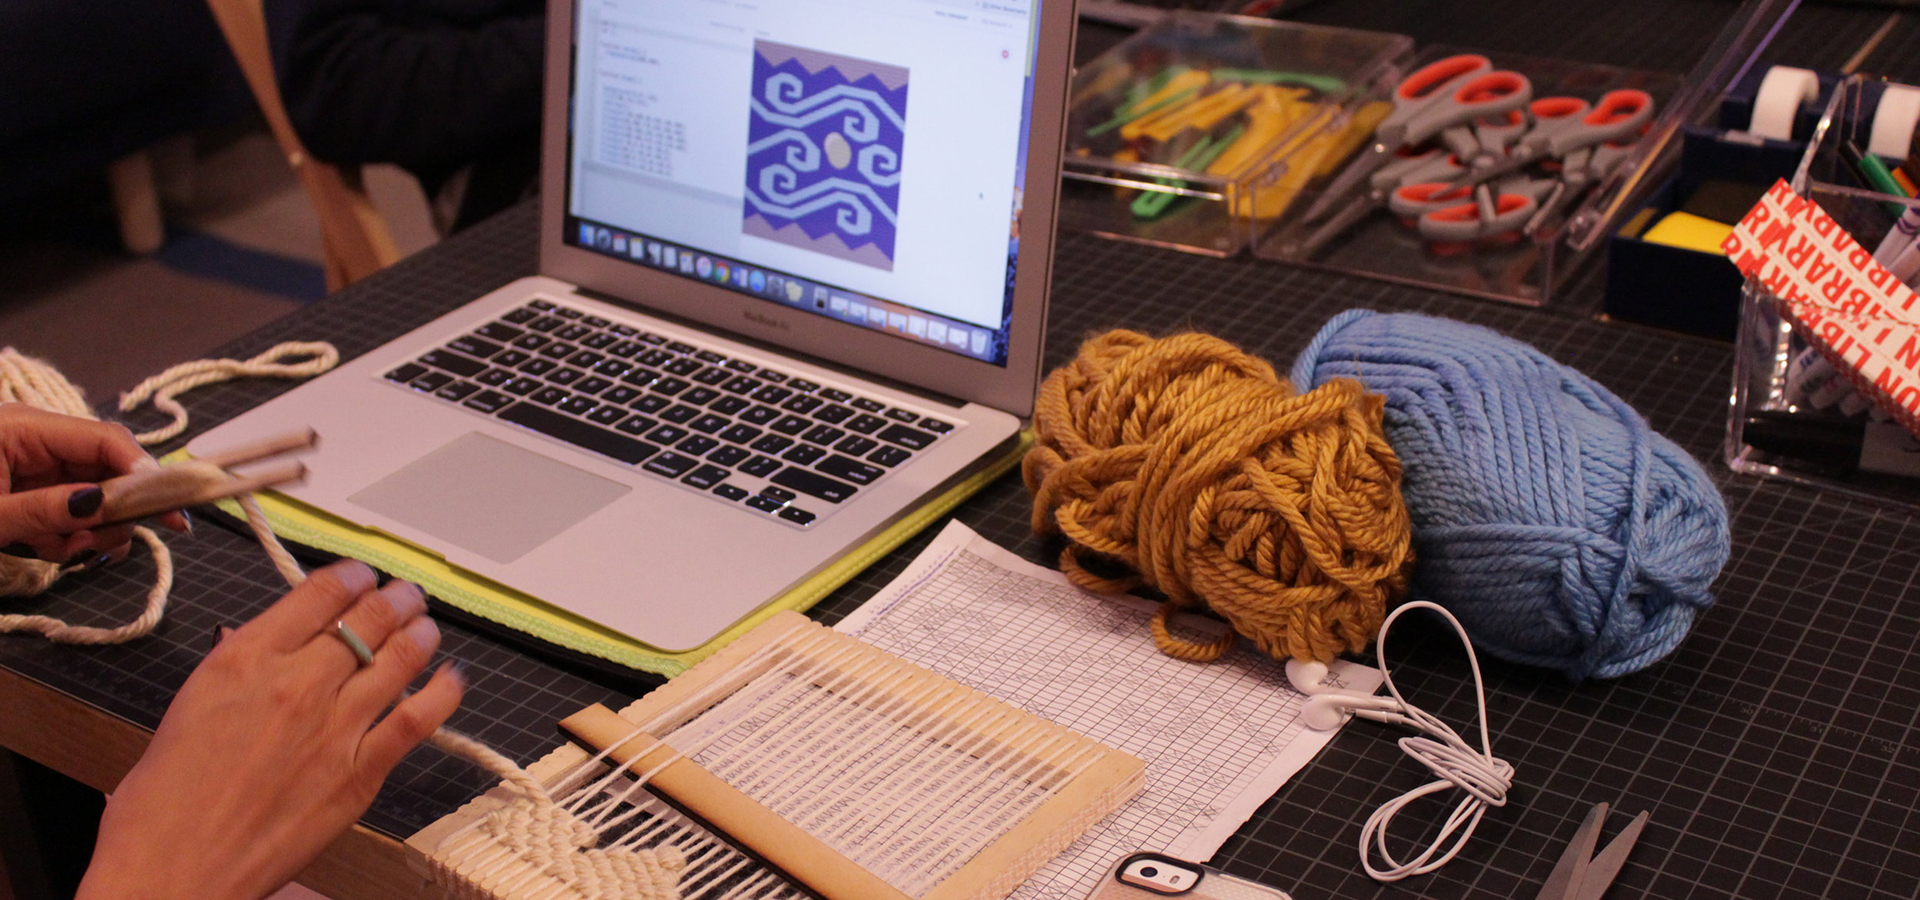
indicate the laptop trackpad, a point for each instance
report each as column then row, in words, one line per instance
column 488, row 496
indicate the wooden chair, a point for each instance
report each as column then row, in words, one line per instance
column 354, row 238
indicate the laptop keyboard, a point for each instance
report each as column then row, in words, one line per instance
column 739, row 431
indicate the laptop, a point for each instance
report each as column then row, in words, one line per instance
column 795, row 261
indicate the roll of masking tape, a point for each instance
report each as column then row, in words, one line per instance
column 1778, row 103
column 1893, row 122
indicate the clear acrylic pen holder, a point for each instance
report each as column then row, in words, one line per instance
column 1793, row 413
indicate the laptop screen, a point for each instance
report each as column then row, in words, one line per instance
column 858, row 159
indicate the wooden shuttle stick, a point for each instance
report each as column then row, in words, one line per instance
column 803, row 857
column 191, row 482
column 263, row 448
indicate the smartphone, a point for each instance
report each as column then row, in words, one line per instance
column 1151, row 876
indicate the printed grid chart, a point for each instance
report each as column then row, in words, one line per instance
column 1206, row 733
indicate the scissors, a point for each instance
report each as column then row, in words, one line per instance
column 1446, row 94
column 1580, row 170
column 1581, row 875
column 1410, row 167
column 1415, row 165
column 1410, row 202
column 1486, row 143
column 1565, row 124
column 1453, row 212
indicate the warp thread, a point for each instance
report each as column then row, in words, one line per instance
column 532, row 823
column 1547, row 514
column 1210, row 479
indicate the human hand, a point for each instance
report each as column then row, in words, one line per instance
column 274, row 746
column 49, row 503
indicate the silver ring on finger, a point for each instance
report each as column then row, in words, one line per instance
column 353, row 642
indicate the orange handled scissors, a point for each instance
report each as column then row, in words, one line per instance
column 1563, row 125
column 1449, row 93
column 1408, row 167
column 1448, row 212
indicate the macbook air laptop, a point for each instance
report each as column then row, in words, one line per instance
column 794, row 260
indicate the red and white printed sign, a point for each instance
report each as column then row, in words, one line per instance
column 1843, row 302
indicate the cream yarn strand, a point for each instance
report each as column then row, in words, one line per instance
column 450, row 741
column 533, row 825
column 274, row 363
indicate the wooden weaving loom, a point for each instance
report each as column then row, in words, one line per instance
column 853, row 773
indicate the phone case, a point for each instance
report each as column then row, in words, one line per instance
column 1212, row 884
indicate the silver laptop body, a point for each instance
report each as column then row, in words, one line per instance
column 808, row 194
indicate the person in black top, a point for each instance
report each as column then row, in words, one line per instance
column 447, row 89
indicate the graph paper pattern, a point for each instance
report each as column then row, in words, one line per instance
column 1204, row 731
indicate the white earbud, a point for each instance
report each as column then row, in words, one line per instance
column 1329, row 705
column 1325, row 712
column 1309, row 677
column 1483, row 778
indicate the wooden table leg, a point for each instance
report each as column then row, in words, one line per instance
column 96, row 749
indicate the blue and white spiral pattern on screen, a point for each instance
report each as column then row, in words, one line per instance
column 824, row 143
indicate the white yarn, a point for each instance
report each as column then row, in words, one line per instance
column 35, row 383
column 162, row 388
column 62, row 633
column 24, row 379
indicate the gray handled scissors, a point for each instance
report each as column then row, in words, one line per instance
column 1581, row 875
column 1562, row 125
column 1451, row 93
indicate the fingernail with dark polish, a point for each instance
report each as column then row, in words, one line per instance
column 85, row 502
column 24, row 551
column 187, row 518
column 459, row 669
column 220, row 633
column 99, row 561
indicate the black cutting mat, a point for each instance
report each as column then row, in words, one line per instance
column 1772, row 747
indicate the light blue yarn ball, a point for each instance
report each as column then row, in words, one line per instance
column 1547, row 515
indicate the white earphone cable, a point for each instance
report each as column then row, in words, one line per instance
column 1484, row 777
